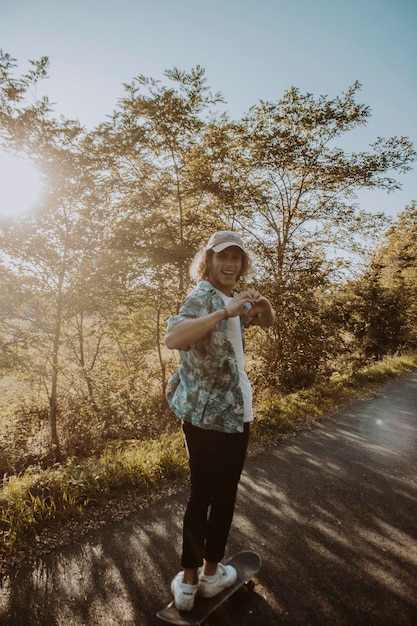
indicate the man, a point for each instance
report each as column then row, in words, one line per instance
column 212, row 396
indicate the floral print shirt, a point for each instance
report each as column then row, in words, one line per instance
column 205, row 389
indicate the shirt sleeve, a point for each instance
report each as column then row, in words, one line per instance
column 196, row 304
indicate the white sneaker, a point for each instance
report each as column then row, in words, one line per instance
column 210, row 586
column 184, row 595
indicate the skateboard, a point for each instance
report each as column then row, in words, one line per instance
column 247, row 563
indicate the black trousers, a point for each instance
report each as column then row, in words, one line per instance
column 216, row 461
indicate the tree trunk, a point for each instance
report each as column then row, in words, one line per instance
column 161, row 360
column 53, row 400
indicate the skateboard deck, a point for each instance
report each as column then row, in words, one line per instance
column 247, row 563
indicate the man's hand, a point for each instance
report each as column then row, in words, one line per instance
column 261, row 309
column 236, row 306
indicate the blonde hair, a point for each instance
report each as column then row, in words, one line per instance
column 200, row 265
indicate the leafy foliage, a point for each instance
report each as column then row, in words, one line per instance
column 377, row 310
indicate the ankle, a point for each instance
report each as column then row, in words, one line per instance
column 210, row 569
column 190, row 576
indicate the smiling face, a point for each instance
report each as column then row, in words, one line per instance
column 225, row 269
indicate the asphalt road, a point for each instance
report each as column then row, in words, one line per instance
column 332, row 511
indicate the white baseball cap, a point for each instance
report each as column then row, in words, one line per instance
column 224, row 239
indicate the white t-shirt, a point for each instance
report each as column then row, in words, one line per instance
column 234, row 335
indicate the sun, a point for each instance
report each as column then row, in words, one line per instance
column 20, row 186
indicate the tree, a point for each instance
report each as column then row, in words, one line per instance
column 47, row 252
column 281, row 177
column 160, row 215
column 376, row 312
column 397, row 259
column 151, row 137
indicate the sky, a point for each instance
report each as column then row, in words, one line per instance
column 251, row 50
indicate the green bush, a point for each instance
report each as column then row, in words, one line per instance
column 24, row 439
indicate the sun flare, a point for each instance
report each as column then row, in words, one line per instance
column 20, row 186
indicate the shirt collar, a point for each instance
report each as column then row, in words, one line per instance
column 206, row 286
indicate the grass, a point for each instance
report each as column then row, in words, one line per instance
column 38, row 498
column 31, row 501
